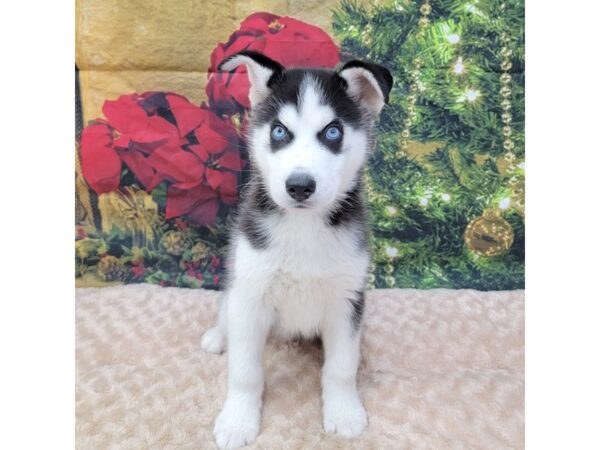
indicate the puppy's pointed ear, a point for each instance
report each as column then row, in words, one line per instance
column 260, row 71
column 368, row 83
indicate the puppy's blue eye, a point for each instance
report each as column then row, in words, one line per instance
column 333, row 133
column 278, row 133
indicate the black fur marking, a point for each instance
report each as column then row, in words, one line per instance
column 254, row 207
column 382, row 75
column 278, row 145
column 333, row 146
column 285, row 89
column 350, row 208
column 358, row 308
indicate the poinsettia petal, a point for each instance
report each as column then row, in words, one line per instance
column 189, row 165
column 139, row 166
column 100, row 164
column 212, row 141
column 187, row 115
column 156, row 129
column 230, row 160
column 177, row 164
column 228, row 188
column 204, row 213
column 214, row 178
column 259, row 21
column 152, row 101
column 198, row 184
column 122, row 141
column 183, row 198
column 156, row 180
column 179, row 201
column 125, row 114
column 199, row 151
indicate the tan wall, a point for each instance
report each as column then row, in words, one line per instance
column 128, row 46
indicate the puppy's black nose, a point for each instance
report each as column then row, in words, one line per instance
column 300, row 186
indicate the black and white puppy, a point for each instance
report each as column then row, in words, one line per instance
column 299, row 251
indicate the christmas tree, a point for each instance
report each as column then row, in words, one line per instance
column 446, row 181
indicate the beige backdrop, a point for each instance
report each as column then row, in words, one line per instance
column 126, row 46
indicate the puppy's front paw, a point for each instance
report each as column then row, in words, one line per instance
column 237, row 425
column 344, row 415
column 213, row 340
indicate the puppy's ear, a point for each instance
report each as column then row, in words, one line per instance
column 260, row 71
column 368, row 83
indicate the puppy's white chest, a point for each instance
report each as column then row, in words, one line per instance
column 313, row 268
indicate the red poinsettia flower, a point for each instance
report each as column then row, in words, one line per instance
column 208, row 170
column 100, row 163
column 289, row 41
column 162, row 136
column 149, row 141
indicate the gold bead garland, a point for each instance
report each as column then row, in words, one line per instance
column 425, row 11
column 516, row 185
column 506, row 104
column 415, row 86
column 491, row 235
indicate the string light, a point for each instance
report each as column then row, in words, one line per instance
column 504, row 203
column 459, row 66
column 423, row 201
column 446, row 197
column 391, row 252
column 453, row 38
column 391, row 210
column 472, row 95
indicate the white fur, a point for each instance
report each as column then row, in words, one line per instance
column 300, row 284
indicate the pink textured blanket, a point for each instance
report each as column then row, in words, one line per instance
column 441, row 369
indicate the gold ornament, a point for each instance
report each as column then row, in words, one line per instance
column 489, row 235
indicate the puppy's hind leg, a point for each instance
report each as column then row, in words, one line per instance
column 214, row 340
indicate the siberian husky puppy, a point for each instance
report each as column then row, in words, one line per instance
column 299, row 250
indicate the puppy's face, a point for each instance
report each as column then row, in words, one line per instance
column 311, row 129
